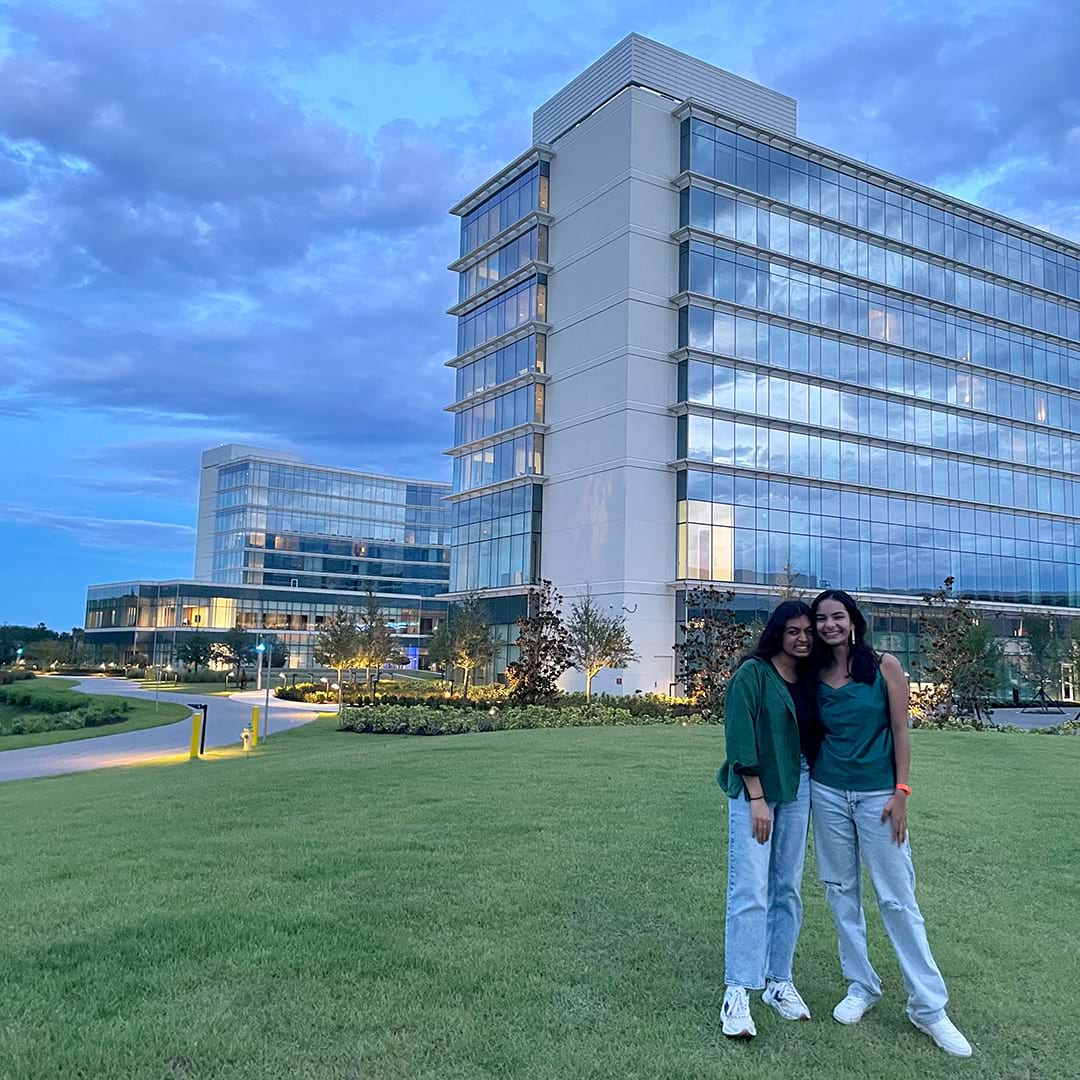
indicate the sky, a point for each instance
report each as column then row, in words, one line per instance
column 226, row 220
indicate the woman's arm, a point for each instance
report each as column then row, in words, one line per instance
column 899, row 697
column 742, row 705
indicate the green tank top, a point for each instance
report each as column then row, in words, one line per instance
column 857, row 744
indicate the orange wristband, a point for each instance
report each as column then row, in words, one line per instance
column 905, row 789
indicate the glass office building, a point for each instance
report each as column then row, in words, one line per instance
column 282, row 544
column 498, row 452
column 272, row 519
column 142, row 622
column 753, row 357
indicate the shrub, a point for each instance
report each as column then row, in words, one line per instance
column 87, row 714
column 455, row 720
column 102, row 713
column 640, row 705
column 45, row 701
column 9, row 676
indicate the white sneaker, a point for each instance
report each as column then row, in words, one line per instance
column 944, row 1032
column 786, row 1000
column 735, row 1012
column 852, row 1009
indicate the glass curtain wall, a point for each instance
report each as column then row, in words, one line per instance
column 874, row 392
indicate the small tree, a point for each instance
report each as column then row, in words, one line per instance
column 471, row 637
column 234, row 648
column 597, row 640
column 787, row 584
column 336, row 644
column 376, row 643
column 197, row 650
column 713, row 642
column 1043, row 653
column 441, row 648
column 543, row 648
column 961, row 662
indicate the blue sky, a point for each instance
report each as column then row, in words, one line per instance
column 225, row 220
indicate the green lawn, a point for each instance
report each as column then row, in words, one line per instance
column 541, row 904
column 142, row 715
column 203, row 688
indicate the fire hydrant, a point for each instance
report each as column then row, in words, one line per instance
column 245, row 738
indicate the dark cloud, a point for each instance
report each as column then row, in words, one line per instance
column 940, row 93
column 188, row 239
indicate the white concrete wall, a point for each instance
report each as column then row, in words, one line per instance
column 609, row 505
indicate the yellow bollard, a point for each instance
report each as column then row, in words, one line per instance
column 254, row 726
column 196, row 732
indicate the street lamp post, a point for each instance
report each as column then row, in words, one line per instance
column 262, row 650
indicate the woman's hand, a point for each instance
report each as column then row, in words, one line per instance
column 760, row 820
column 896, row 808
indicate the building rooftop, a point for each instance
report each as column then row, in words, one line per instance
column 640, row 61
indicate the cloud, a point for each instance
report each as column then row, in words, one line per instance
column 99, row 532
column 191, row 237
column 938, row 93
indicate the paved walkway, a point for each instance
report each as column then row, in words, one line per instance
column 226, row 718
column 1020, row 718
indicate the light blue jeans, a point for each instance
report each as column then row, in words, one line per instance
column 764, row 905
column 848, row 829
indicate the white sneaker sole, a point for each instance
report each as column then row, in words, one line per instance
column 851, row 1021
column 783, row 1015
column 745, row 1033
column 940, row 1045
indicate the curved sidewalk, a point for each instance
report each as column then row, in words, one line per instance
column 226, row 718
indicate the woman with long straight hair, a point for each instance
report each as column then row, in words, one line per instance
column 860, row 786
column 770, row 734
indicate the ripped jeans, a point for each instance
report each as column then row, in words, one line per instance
column 848, row 829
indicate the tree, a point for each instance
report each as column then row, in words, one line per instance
column 336, row 644
column 713, row 642
column 471, row 636
column 1043, row 653
column 543, row 648
column 960, row 663
column 376, row 643
column 597, row 640
column 787, row 584
column 13, row 638
column 235, row 648
column 197, row 650
column 441, row 648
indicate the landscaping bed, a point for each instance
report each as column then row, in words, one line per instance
column 38, row 711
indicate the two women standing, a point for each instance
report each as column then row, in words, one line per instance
column 816, row 722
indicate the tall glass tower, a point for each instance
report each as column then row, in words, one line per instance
column 762, row 358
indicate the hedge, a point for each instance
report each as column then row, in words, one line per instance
column 85, row 715
column 7, row 677
column 43, row 701
column 448, row 720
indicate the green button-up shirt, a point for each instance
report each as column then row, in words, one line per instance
column 760, row 733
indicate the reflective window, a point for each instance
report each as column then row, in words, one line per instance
column 503, row 313
column 496, row 539
column 825, row 246
column 518, row 358
column 742, row 529
column 751, row 163
column 511, row 203
column 504, row 261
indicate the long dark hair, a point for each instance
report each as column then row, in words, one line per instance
column 863, row 661
column 771, row 640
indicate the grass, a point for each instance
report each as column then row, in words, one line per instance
column 142, row 715
column 536, row 904
column 206, row 689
